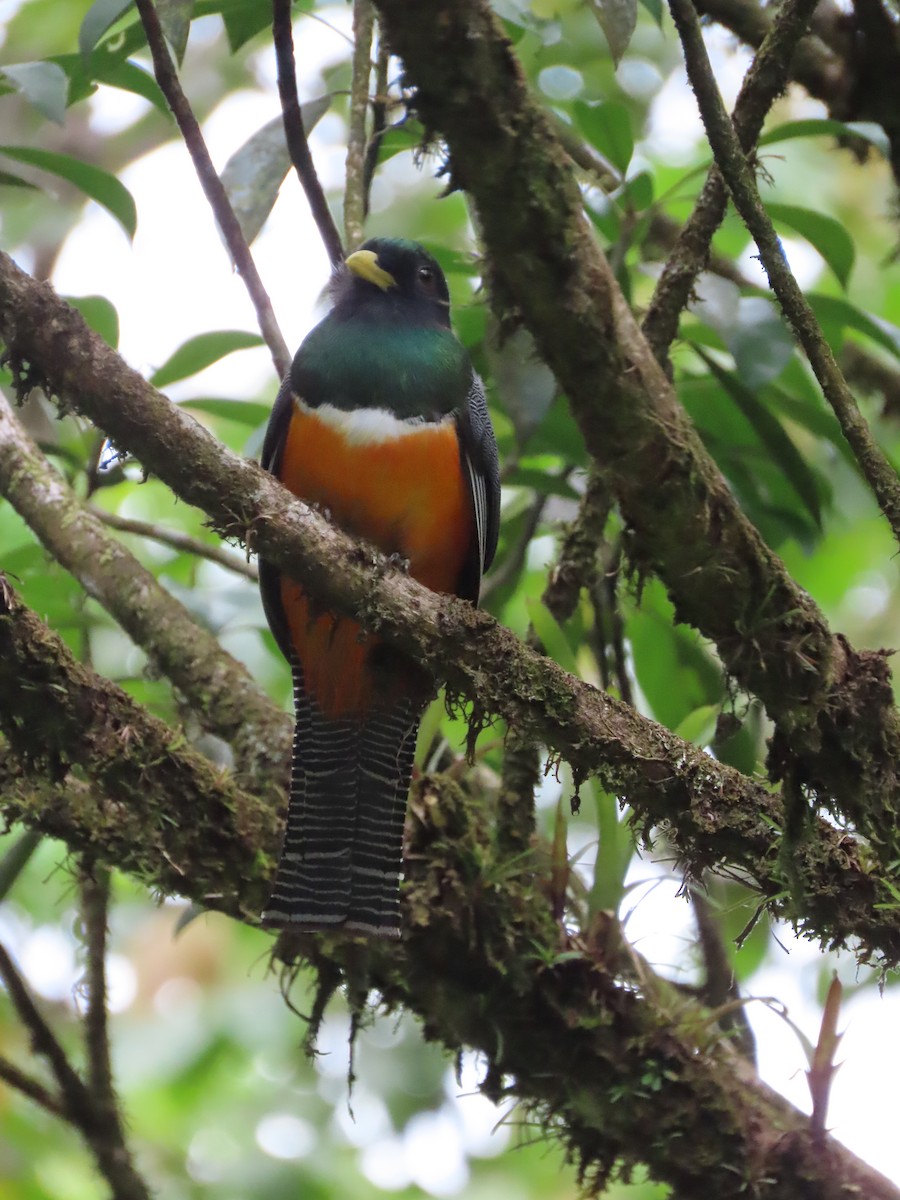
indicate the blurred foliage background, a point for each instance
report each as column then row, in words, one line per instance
column 221, row 1100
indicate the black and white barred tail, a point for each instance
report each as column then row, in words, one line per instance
column 342, row 856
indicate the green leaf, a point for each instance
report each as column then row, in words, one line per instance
column 759, row 341
column 842, row 312
column 100, row 314
column 525, row 385
column 243, row 19
column 544, row 482
column 43, row 84
column 9, row 180
column 608, row 129
column 825, row 126
column 251, row 413
column 254, row 174
column 99, row 17
column 672, row 667
column 618, row 20
column 175, row 18
column 699, row 726
column 202, row 351
column 655, row 9
column 15, row 860
column 551, row 634
column 771, row 433
column 638, row 191
column 396, row 139
column 823, row 233
column 103, row 66
column 98, row 184
column 128, row 77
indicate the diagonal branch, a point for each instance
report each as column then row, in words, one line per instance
column 219, row 689
column 298, row 146
column 178, row 540
column 762, row 85
column 167, row 78
column 56, row 713
column 687, row 527
column 76, row 1101
column 877, row 470
column 857, row 760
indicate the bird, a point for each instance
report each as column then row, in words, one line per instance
column 381, row 422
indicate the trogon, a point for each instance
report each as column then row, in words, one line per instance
column 381, row 423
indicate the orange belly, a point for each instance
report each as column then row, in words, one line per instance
column 406, row 495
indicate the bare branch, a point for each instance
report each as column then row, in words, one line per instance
column 166, row 77
column 74, row 1097
column 31, row 1088
column 94, row 910
column 179, row 541
column 380, row 103
column 298, row 146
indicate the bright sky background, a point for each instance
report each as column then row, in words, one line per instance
column 176, row 281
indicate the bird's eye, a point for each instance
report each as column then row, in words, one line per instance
column 426, row 278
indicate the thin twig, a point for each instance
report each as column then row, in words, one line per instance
column 74, row 1095
column 877, row 470
column 603, row 589
column 298, row 146
column 379, row 120
column 31, row 1088
column 512, row 564
column 94, row 911
column 77, row 1102
column 763, row 83
column 581, row 542
column 179, row 541
column 354, row 171
column 213, row 189
column 720, row 985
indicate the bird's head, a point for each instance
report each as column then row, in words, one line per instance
column 391, row 279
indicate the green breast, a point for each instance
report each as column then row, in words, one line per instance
column 420, row 371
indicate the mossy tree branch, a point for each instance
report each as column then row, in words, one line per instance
column 546, row 268
column 219, row 689
column 56, row 712
column 484, row 964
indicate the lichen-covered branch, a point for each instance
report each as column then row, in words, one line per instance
column 355, row 185
column 225, row 698
column 55, row 713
